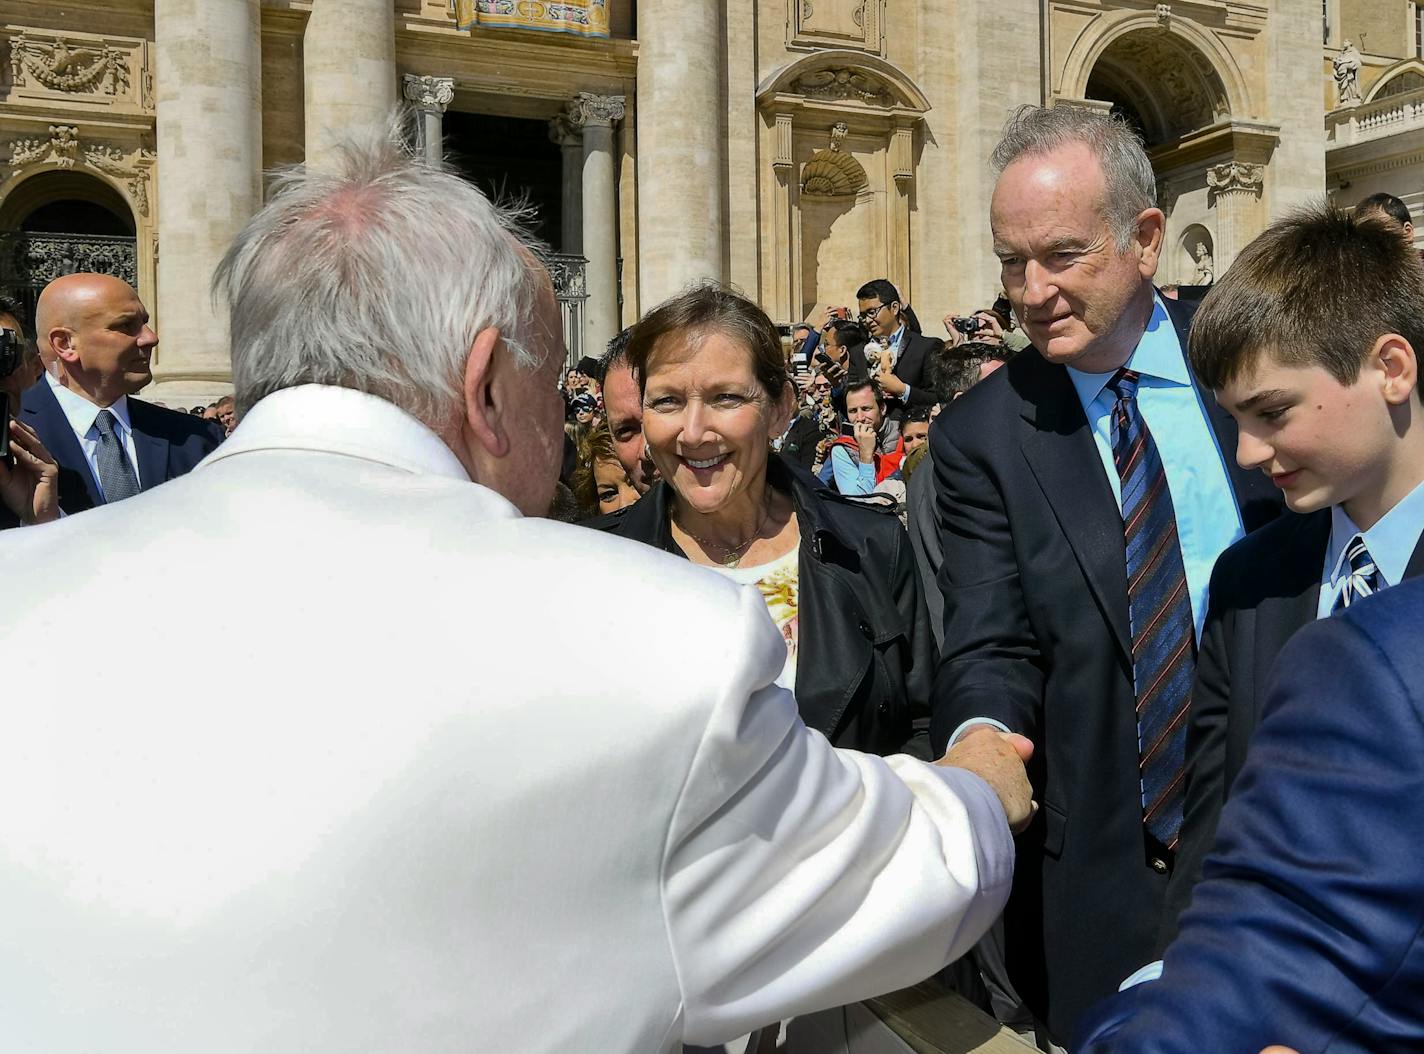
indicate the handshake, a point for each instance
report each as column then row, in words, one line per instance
column 998, row 758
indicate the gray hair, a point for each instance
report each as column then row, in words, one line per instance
column 1130, row 187
column 376, row 275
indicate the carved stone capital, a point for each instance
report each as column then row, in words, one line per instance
column 1236, row 177
column 590, row 110
column 428, row 94
column 564, row 132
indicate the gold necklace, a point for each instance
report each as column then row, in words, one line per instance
column 734, row 555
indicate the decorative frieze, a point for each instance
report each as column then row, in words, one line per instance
column 78, row 69
column 62, row 148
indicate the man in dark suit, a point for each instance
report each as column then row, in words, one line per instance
column 1085, row 490
column 95, row 342
column 1308, row 926
column 905, row 349
column 1330, row 411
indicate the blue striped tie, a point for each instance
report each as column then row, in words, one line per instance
column 1363, row 578
column 1163, row 634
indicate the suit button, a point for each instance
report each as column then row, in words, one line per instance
column 884, row 708
column 1159, row 865
column 865, row 630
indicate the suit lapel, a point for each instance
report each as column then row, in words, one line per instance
column 1415, row 567
column 41, row 411
column 152, row 450
column 1065, row 461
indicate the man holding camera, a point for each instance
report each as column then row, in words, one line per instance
column 29, row 478
column 904, row 348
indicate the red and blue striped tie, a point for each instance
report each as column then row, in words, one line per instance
column 1163, row 634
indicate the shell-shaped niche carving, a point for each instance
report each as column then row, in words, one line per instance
column 832, row 174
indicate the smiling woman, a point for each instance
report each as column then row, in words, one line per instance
column 836, row 575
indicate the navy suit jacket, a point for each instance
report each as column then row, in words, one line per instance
column 168, row 444
column 1308, row 926
column 1037, row 636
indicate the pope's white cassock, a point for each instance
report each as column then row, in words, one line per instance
column 323, row 748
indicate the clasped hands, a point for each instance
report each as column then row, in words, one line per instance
column 998, row 758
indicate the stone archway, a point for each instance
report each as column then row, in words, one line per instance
column 1181, row 91
column 59, row 222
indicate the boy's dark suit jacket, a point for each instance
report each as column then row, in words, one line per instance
column 910, row 367
column 1036, row 635
column 1263, row 589
column 168, row 444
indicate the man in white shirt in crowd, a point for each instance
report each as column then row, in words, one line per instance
column 417, row 831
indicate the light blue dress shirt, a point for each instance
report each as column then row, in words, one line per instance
column 1391, row 543
column 852, row 475
column 1207, row 517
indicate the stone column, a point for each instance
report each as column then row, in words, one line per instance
column 1234, row 192
column 681, row 161
column 429, row 96
column 595, row 114
column 209, row 105
column 349, row 58
column 570, row 141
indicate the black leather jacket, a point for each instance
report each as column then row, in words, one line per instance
column 866, row 655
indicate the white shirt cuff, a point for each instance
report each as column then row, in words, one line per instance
column 1150, row 972
column 976, row 721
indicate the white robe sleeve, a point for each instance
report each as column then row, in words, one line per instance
column 798, row 877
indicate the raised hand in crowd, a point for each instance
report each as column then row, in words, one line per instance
column 998, row 758
column 29, row 488
column 866, row 437
column 889, row 383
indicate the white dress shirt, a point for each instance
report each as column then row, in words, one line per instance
column 81, row 414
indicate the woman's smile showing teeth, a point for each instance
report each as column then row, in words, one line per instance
column 711, row 462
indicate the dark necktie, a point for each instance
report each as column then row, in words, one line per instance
column 1163, row 634
column 1363, row 578
column 116, row 475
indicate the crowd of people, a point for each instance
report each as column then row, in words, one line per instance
column 1090, row 665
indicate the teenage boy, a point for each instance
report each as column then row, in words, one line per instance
column 1311, row 340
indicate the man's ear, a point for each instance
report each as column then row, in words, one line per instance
column 484, row 398
column 1400, row 365
column 61, row 339
column 1151, row 225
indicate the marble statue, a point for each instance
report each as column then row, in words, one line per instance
column 1347, row 74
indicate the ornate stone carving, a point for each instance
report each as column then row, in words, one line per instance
column 1164, row 17
column 113, row 162
column 1236, row 177
column 563, row 132
column 842, row 84
column 428, row 93
column 64, row 65
column 833, row 172
column 62, row 147
column 590, row 109
column 781, row 160
column 1206, row 268
column 33, row 259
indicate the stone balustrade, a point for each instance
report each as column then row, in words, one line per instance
column 1375, row 120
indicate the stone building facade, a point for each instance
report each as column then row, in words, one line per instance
column 793, row 148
